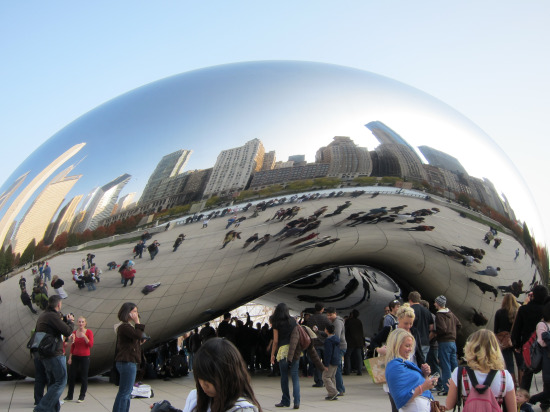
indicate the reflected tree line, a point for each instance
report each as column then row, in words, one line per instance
column 35, row 252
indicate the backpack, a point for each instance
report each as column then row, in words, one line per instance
column 533, row 352
column 480, row 398
column 163, row 406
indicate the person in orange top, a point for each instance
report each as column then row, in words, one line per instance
column 79, row 359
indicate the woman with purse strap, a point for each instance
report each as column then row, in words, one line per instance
column 504, row 319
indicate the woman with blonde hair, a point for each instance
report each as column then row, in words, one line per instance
column 482, row 354
column 504, row 319
column 410, row 386
column 405, row 320
column 79, row 359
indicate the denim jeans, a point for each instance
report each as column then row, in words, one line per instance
column 338, row 377
column 447, row 362
column 56, row 373
column 283, row 367
column 154, row 253
column 40, row 379
column 127, row 371
column 433, row 361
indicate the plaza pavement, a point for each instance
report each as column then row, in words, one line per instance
column 361, row 393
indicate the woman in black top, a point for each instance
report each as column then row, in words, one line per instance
column 128, row 353
column 504, row 319
column 283, row 325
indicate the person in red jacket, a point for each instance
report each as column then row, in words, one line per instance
column 128, row 274
column 79, row 359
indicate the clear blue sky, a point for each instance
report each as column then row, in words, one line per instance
column 488, row 60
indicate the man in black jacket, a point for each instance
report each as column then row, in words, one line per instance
column 53, row 323
column 318, row 322
column 526, row 321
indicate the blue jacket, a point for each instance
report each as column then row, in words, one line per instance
column 403, row 377
column 332, row 351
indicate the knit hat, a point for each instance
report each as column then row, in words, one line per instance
column 441, row 301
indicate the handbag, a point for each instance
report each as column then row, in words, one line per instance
column 48, row 346
column 305, row 340
column 376, row 368
column 435, row 406
column 35, row 340
column 504, row 339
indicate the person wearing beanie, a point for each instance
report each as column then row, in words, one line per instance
column 446, row 330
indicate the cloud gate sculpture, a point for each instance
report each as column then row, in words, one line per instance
column 382, row 165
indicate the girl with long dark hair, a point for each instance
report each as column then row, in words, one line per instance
column 222, row 380
column 283, row 324
column 128, row 353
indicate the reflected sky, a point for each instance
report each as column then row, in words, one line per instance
column 292, row 107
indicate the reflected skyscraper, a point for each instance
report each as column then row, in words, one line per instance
column 269, row 160
column 234, row 167
column 64, row 220
column 346, row 159
column 30, row 189
column 394, row 156
column 4, row 197
column 37, row 218
column 170, row 167
column 385, row 135
column 124, row 202
column 102, row 202
column 441, row 159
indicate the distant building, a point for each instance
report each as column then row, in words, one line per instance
column 161, row 180
column 484, row 192
column 64, row 219
column 398, row 160
column 297, row 158
column 188, row 188
column 282, row 165
column 27, row 192
column 234, row 168
column 34, row 223
column 442, row 159
column 285, row 175
column 124, row 203
column 395, row 156
column 4, row 197
column 101, row 203
column 346, row 159
column 386, row 135
column 269, row 160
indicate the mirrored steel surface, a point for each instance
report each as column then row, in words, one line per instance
column 143, row 143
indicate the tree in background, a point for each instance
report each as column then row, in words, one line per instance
column 28, row 253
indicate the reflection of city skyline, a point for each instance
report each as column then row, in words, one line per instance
column 249, row 166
